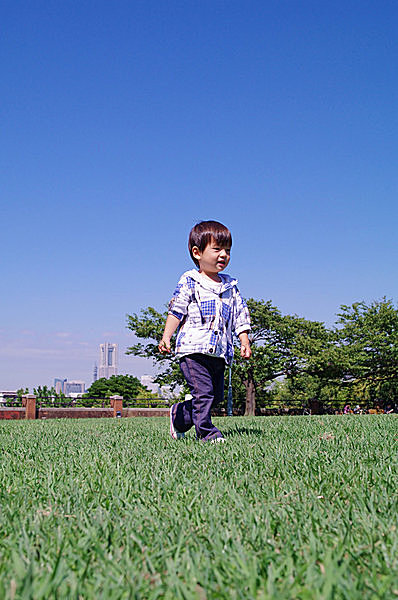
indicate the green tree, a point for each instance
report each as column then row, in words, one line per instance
column 313, row 363
column 22, row 392
column 285, row 345
column 368, row 342
column 148, row 326
column 121, row 385
column 282, row 345
column 357, row 359
column 42, row 392
column 266, row 361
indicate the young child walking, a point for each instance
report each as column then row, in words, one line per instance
column 208, row 310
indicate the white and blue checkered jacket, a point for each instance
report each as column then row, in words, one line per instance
column 208, row 319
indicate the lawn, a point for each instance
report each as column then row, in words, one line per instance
column 288, row 508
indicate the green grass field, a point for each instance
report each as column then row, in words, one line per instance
column 289, row 507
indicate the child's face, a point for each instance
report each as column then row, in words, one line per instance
column 213, row 259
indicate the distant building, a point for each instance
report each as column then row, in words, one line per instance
column 69, row 388
column 59, row 385
column 95, row 373
column 7, row 395
column 73, row 388
column 108, row 360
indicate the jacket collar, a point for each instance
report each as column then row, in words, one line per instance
column 227, row 281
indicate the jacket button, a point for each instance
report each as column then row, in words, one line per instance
column 216, row 333
column 211, row 350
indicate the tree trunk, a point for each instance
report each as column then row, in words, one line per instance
column 250, row 408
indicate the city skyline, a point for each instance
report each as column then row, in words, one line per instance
column 125, row 124
column 65, row 384
column 62, row 361
column 108, row 361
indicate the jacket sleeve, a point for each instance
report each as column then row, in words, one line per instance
column 182, row 296
column 242, row 322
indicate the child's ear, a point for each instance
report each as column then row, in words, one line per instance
column 196, row 252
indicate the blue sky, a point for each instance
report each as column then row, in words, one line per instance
column 125, row 123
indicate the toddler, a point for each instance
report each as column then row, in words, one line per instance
column 208, row 309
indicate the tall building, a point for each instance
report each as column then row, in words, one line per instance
column 108, row 360
column 95, row 372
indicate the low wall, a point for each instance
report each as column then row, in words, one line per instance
column 12, row 413
column 79, row 412
column 96, row 413
column 73, row 413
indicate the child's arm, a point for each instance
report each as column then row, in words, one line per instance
column 171, row 325
column 242, row 326
column 178, row 307
column 245, row 350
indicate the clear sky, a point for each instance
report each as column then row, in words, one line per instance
column 124, row 123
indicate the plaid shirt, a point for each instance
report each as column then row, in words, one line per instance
column 209, row 318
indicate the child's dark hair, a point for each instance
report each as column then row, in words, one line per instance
column 204, row 232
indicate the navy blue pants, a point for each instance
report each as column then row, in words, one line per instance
column 205, row 377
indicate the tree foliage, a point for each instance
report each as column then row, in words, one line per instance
column 368, row 341
column 283, row 345
column 120, row 385
column 148, row 326
column 44, row 392
column 358, row 358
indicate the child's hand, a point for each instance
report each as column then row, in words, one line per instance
column 245, row 351
column 164, row 345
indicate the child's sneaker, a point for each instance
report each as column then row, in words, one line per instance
column 176, row 435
